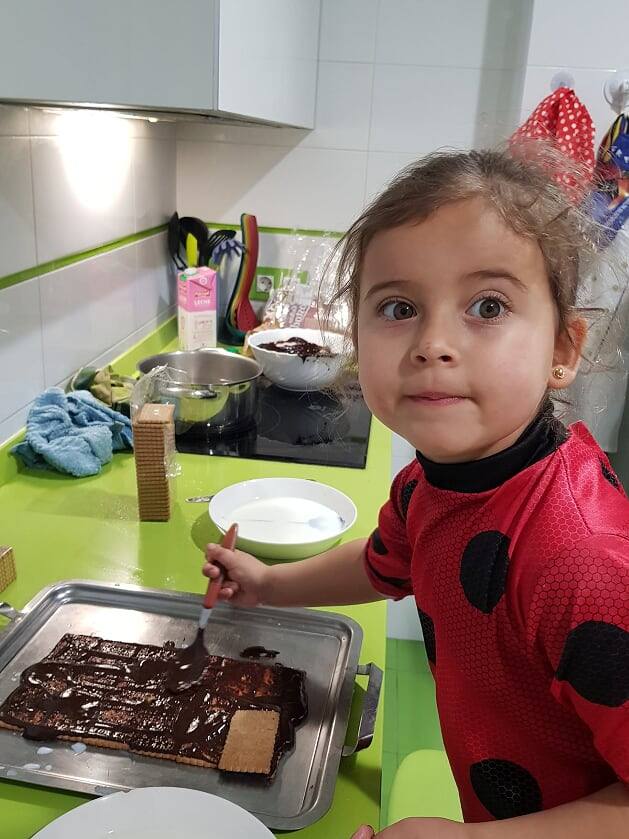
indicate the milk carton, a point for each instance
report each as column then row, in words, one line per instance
column 196, row 294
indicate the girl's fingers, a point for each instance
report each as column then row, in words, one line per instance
column 217, row 553
column 364, row 832
column 229, row 590
column 210, row 570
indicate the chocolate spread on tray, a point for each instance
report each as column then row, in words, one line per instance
column 298, row 346
column 258, row 652
column 90, row 689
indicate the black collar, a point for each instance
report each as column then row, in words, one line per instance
column 542, row 437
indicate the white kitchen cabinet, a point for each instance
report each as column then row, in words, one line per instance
column 251, row 59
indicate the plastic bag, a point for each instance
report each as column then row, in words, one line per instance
column 149, row 390
column 299, row 303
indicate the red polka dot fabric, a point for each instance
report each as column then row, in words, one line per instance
column 523, row 596
column 565, row 120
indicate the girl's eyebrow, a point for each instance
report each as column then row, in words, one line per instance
column 497, row 274
column 482, row 274
column 395, row 282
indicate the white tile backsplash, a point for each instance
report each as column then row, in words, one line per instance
column 154, row 179
column 10, row 425
column 126, row 343
column 343, row 106
column 414, row 108
column 348, row 30
column 71, row 181
column 450, row 33
column 83, row 196
column 21, row 365
column 17, row 227
column 283, row 187
column 86, row 307
column 155, row 280
column 579, row 34
column 85, row 313
column 13, row 121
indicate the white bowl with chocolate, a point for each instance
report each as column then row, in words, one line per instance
column 299, row 359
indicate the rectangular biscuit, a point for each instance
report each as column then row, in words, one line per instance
column 250, row 742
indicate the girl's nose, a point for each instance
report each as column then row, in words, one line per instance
column 430, row 354
column 434, row 344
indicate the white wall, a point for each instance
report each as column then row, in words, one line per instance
column 397, row 78
column 68, row 184
column 585, row 39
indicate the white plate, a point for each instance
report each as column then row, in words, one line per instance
column 283, row 518
column 157, row 813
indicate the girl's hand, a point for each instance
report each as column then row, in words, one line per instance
column 417, row 829
column 246, row 578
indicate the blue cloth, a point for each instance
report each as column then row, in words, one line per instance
column 73, row 433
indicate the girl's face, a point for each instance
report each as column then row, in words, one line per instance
column 457, row 332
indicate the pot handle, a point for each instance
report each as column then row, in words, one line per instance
column 367, row 724
column 196, row 393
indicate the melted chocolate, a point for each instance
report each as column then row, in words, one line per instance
column 191, row 664
column 298, row 346
column 259, row 652
column 89, row 688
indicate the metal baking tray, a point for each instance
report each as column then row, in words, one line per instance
column 324, row 644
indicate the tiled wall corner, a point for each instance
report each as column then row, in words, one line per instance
column 69, row 183
column 567, row 36
column 395, row 81
column 85, row 313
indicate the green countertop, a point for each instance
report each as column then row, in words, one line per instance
column 63, row 528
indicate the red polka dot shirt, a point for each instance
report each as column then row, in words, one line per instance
column 519, row 565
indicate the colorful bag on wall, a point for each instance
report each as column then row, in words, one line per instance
column 610, row 202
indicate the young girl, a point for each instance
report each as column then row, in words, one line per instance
column 511, row 531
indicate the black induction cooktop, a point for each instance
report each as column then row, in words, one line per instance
column 317, row 428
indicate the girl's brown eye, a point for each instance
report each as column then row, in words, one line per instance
column 487, row 308
column 398, row 310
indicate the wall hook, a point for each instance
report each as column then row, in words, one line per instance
column 562, row 79
column 616, row 91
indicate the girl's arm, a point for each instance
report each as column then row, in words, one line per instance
column 334, row 578
column 603, row 814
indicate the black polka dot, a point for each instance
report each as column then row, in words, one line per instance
column 595, row 662
column 484, row 567
column 505, row 789
column 609, row 475
column 377, row 544
column 428, row 630
column 407, row 492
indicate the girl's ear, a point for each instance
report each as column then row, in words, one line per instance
column 569, row 346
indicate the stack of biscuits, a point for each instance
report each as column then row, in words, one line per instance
column 154, row 444
column 7, row 566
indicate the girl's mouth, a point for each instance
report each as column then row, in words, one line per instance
column 435, row 398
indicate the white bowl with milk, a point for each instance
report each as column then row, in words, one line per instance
column 283, row 518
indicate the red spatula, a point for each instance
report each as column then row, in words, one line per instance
column 214, row 586
column 191, row 661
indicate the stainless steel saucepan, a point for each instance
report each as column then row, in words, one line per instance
column 213, row 387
